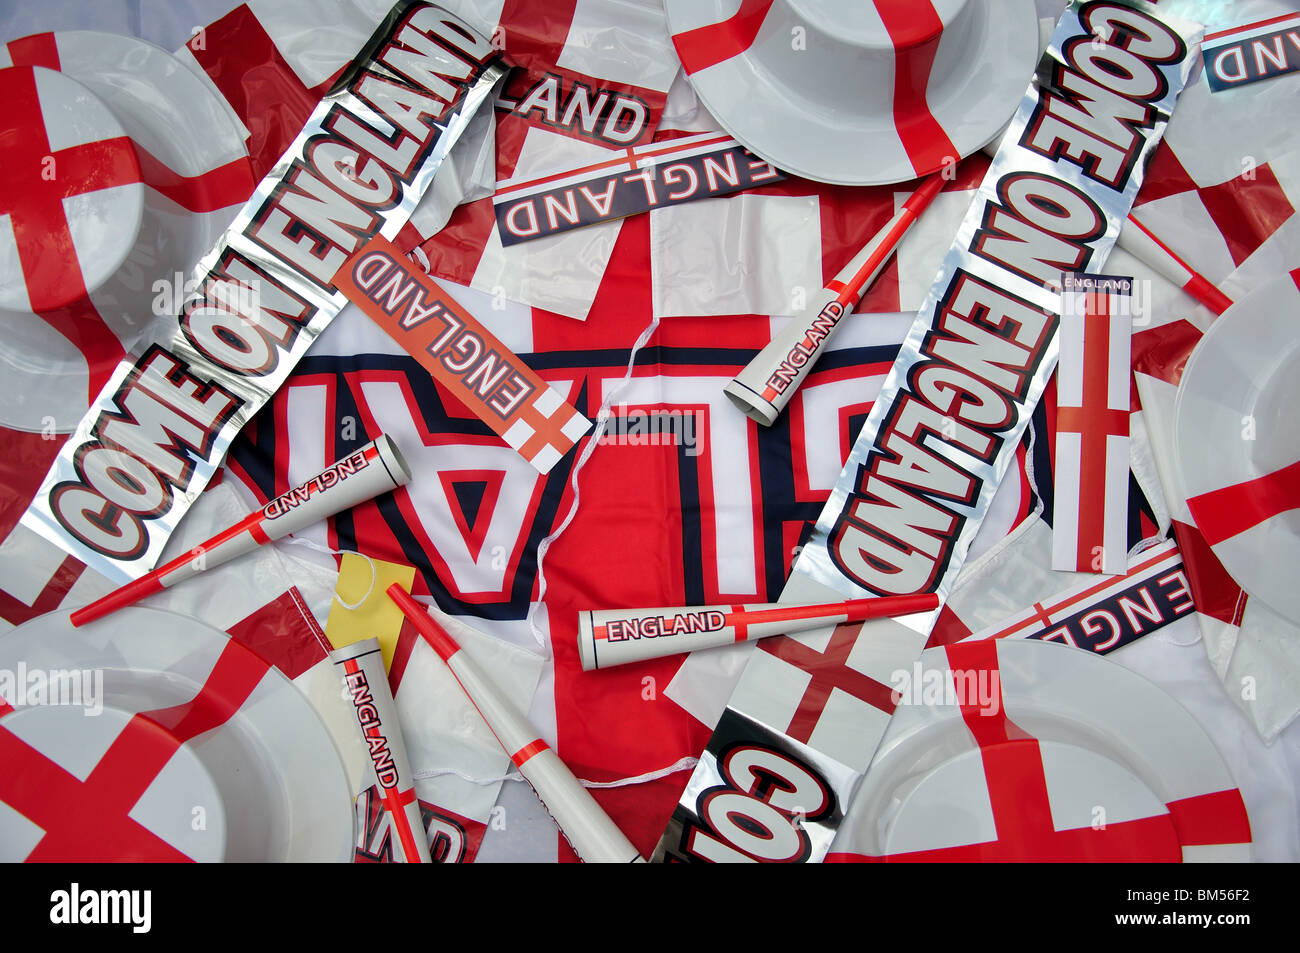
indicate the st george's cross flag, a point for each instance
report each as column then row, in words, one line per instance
column 1092, row 425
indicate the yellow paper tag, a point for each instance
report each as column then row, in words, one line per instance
column 378, row 616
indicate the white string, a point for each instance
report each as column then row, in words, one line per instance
column 602, row 418
column 685, row 764
column 374, row 571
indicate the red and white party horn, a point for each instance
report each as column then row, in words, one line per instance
column 766, row 385
column 587, row 828
column 1139, row 241
column 608, row 637
column 361, row 667
column 363, row 474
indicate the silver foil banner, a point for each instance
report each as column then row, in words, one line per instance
column 940, row 436
column 155, row 435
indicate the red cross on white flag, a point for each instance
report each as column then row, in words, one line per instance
column 1090, row 529
column 546, row 429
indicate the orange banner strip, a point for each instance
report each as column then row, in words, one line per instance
column 461, row 354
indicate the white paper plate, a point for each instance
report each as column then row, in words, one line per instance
column 169, row 111
column 1112, row 769
column 266, row 785
column 1236, row 421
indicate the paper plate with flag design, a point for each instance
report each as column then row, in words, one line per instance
column 121, row 168
column 1030, row 751
column 150, row 736
column 1237, row 441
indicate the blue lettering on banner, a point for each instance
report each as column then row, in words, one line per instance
column 1249, row 60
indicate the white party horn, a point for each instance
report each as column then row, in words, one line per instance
column 363, row 474
column 375, row 712
column 608, row 637
column 587, row 828
column 763, row 388
column 1139, row 241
